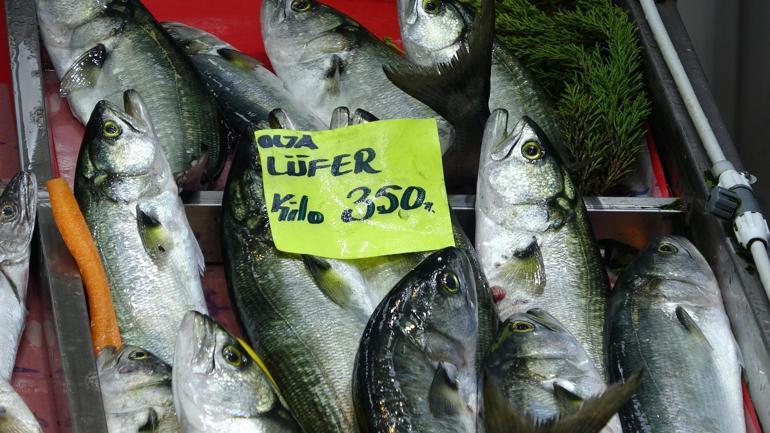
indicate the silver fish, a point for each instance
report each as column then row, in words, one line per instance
column 432, row 32
column 533, row 235
column 416, row 365
column 136, row 391
column 220, row 387
column 18, row 208
column 542, row 369
column 101, row 48
column 245, row 89
column 129, row 199
column 666, row 316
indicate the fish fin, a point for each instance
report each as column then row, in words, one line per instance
column 156, row 240
column 525, row 266
column 565, row 394
column 501, row 417
column 239, row 59
column 443, row 397
column 362, row 116
column 332, row 75
column 459, row 88
column 689, row 324
column 84, row 72
column 152, row 422
column 547, row 320
column 329, row 281
column 278, row 119
column 340, row 118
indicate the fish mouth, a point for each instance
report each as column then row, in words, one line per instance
column 273, row 11
column 407, row 12
column 195, row 343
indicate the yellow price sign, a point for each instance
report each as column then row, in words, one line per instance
column 362, row 191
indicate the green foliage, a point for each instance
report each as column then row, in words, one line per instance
column 587, row 56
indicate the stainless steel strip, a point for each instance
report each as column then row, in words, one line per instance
column 28, row 97
column 79, row 382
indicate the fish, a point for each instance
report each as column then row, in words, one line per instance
column 244, row 88
column 221, row 386
column 101, row 48
column 533, row 235
column 542, row 369
column 329, row 60
column 500, row 416
column 136, row 391
column 459, row 91
column 18, row 209
column 416, row 365
column 666, row 315
column 433, row 31
column 126, row 191
column 305, row 314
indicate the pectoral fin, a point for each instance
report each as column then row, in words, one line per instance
column 594, row 414
column 444, row 397
column 689, row 323
column 156, row 239
column 240, row 59
column 332, row 75
column 84, row 72
column 525, row 268
column 329, row 280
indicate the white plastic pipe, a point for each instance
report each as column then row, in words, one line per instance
column 754, row 234
column 699, row 119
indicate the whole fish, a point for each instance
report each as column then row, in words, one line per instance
column 416, row 366
column 136, row 391
column 101, row 48
column 244, row 88
column 666, row 316
column 542, row 369
column 18, row 208
column 127, row 193
column 328, row 60
column 432, row 32
column 220, row 386
column 533, row 235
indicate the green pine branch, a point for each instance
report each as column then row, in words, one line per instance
column 587, row 56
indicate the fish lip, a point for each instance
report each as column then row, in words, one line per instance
column 195, row 343
column 272, row 11
column 408, row 10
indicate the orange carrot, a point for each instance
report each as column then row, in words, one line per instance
column 77, row 237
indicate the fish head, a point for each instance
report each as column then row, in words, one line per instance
column 217, row 374
column 443, row 291
column 119, row 142
column 18, row 207
column 524, row 173
column 131, row 368
column 194, row 41
column 674, row 258
column 298, row 30
column 432, row 30
column 534, row 339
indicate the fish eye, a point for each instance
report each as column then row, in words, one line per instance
column 301, row 5
column 233, row 355
column 532, row 150
column 667, row 248
column 521, row 326
column 110, row 129
column 9, row 211
column 450, row 284
column 137, row 355
column 431, row 6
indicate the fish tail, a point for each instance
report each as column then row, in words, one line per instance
column 458, row 91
